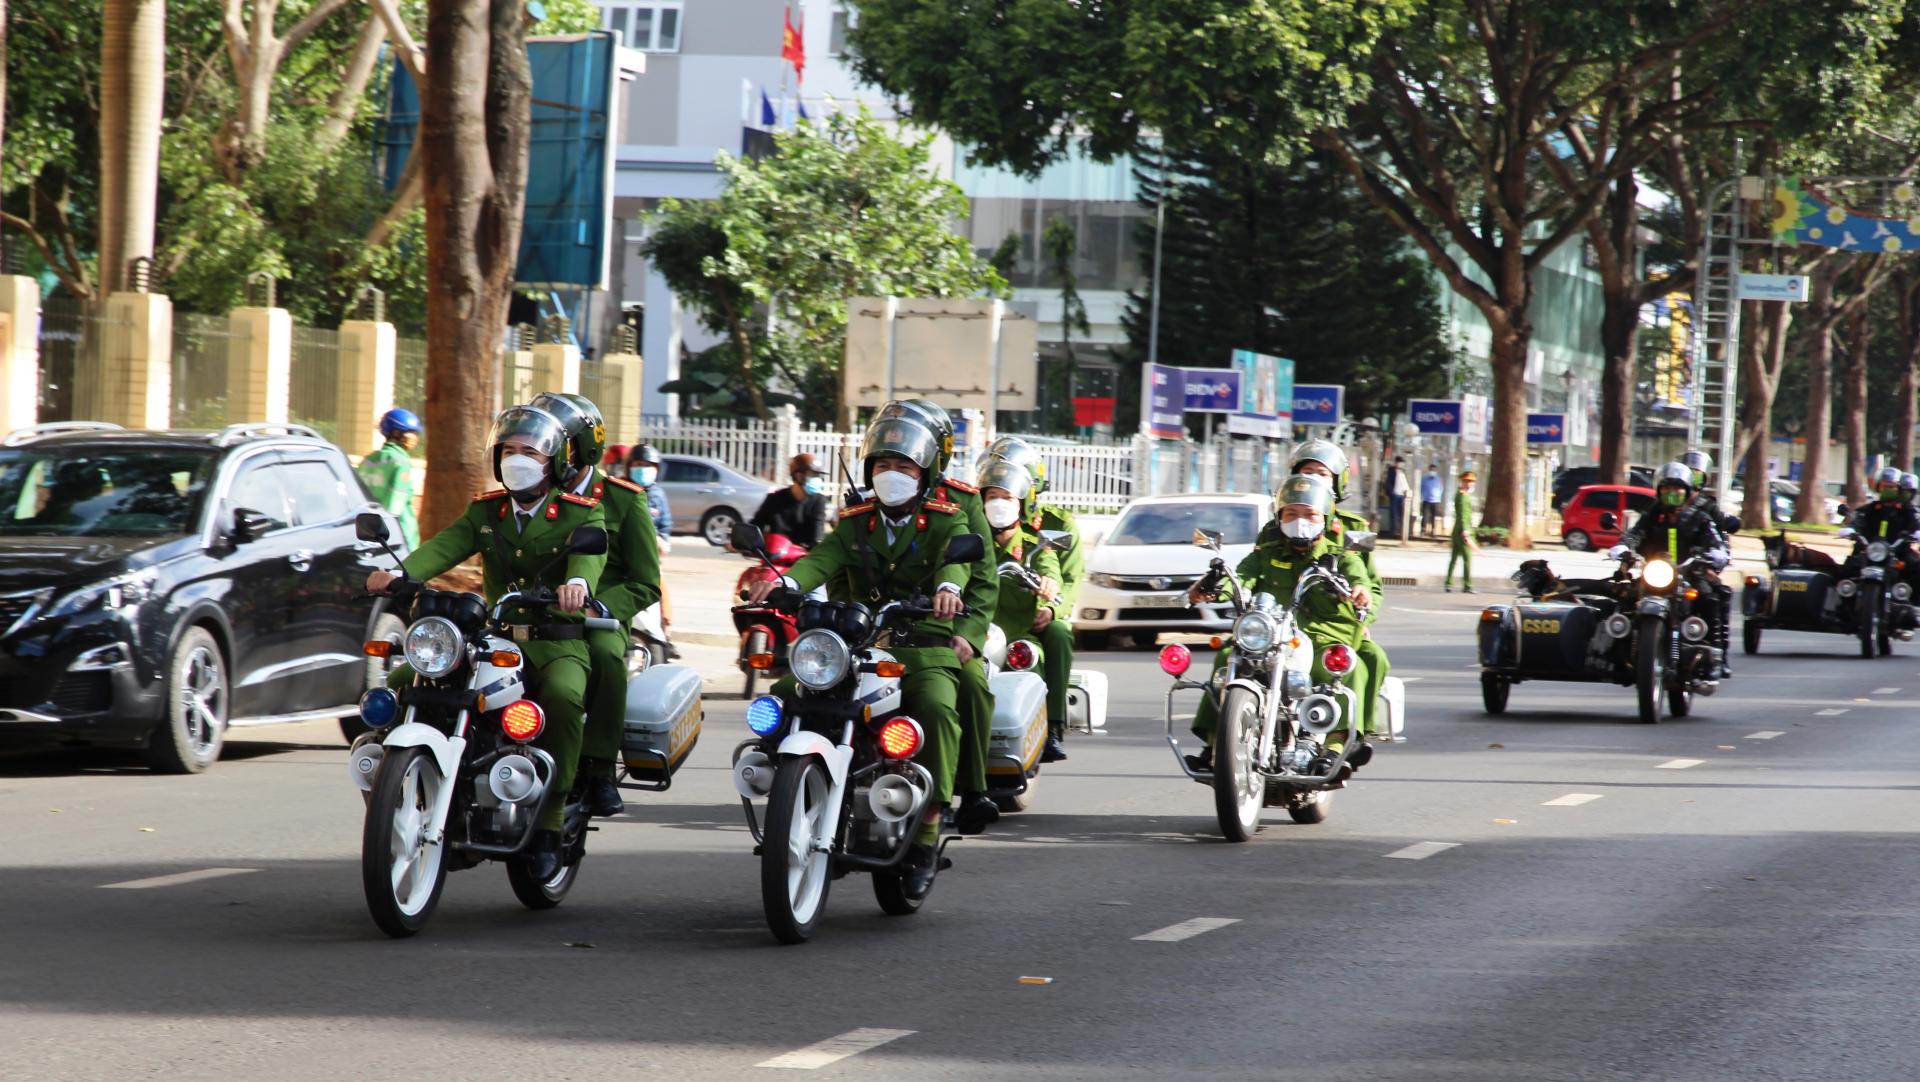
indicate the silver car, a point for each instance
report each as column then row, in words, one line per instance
column 707, row 496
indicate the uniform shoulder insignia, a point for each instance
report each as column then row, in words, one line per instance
column 584, row 501
column 961, row 486
column 943, row 507
column 621, row 482
column 496, row 494
column 856, row 509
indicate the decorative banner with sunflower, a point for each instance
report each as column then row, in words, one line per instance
column 1799, row 213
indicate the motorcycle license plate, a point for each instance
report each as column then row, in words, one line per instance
column 1158, row 601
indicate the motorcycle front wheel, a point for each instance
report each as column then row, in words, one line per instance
column 795, row 858
column 1237, row 791
column 1650, row 667
column 1867, row 604
column 1750, row 637
column 400, row 873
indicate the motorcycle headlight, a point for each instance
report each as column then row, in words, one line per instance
column 819, row 659
column 1877, row 552
column 1658, row 575
column 1254, row 633
column 433, row 647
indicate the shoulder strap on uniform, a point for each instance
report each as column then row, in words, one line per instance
column 961, row 486
column 856, row 509
column 483, row 497
column 942, row 507
column 584, row 501
column 622, row 482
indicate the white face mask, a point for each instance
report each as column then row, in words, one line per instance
column 1301, row 529
column 1002, row 513
column 894, row 488
column 521, row 473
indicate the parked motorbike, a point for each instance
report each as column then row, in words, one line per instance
column 449, row 767
column 1272, row 718
column 765, row 633
column 834, row 759
column 1870, row 597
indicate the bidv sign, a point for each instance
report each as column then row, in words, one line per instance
column 1546, row 428
column 1211, row 390
column 1435, row 418
column 1317, row 403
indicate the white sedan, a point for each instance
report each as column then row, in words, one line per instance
column 1137, row 578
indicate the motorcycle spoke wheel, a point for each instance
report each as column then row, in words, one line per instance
column 1238, row 790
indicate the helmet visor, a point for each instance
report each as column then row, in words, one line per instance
column 536, row 428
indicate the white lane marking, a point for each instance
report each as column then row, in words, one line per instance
column 1679, row 764
column 1572, row 800
column 1886, row 691
column 1186, row 929
column 1421, row 850
column 1411, row 679
column 834, row 1049
column 1765, row 734
column 1830, row 712
column 176, row 879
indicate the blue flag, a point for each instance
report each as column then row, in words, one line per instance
column 767, row 117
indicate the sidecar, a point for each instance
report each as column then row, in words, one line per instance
column 662, row 725
column 1581, row 641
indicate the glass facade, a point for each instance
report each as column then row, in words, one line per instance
column 1107, row 253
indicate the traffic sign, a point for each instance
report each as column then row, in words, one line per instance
column 1546, row 428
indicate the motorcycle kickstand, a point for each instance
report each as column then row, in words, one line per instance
column 941, row 861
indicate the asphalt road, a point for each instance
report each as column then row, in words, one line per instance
column 1728, row 896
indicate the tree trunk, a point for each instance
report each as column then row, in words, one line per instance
column 132, row 82
column 743, row 350
column 1910, row 339
column 1506, row 481
column 1813, row 476
column 1854, row 391
column 474, row 133
column 1762, row 356
column 344, row 106
column 1618, row 245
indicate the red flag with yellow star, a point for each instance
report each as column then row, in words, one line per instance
column 792, row 48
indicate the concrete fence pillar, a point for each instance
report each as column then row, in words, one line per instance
column 19, row 351
column 556, row 368
column 622, row 392
column 260, row 376
column 134, row 387
column 516, row 377
column 367, row 349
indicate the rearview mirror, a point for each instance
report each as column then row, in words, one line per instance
column 1058, row 540
column 1208, row 539
column 747, row 537
column 371, row 526
column 587, row 541
column 249, row 525
column 1361, row 541
column 966, row 549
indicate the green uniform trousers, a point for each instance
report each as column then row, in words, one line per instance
column 606, row 702
column 976, row 727
column 1056, row 665
column 558, row 682
column 1462, row 555
column 1374, row 661
column 1207, row 718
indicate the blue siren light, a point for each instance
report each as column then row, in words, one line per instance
column 378, row 707
column 764, row 715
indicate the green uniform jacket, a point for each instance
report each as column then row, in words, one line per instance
column 1275, row 569
column 1017, row 607
column 1339, row 526
column 388, row 475
column 1073, row 562
column 1462, row 515
column 982, row 591
column 631, row 581
column 490, row 517
column 870, row 569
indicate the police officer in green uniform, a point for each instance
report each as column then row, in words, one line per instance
column 1007, row 491
column 1302, row 510
column 1045, row 516
column 1324, row 459
column 1463, row 542
column 520, row 532
column 629, row 585
column 970, row 631
column 893, row 548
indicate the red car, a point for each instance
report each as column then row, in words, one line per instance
column 1580, row 518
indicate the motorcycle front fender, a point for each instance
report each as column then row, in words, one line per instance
column 1652, row 606
column 833, row 755
column 444, row 749
column 1269, row 704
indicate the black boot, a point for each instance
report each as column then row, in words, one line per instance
column 917, row 875
column 1324, row 764
column 1055, row 750
column 543, row 855
column 1361, row 756
column 1203, row 762
column 976, row 811
column 602, row 798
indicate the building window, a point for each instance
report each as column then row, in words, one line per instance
column 653, row 25
column 843, row 20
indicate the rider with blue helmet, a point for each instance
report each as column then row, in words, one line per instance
column 388, row 472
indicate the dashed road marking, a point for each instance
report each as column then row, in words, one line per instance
column 1679, row 764
column 1186, row 929
column 177, row 878
column 1571, row 800
column 1886, row 691
column 834, row 1049
column 1830, row 712
column 1765, row 734
column 1421, row 850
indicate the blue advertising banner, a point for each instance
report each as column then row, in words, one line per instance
column 1166, row 409
column 1211, row 390
column 1435, row 417
column 1266, row 396
column 1546, row 428
column 1318, row 403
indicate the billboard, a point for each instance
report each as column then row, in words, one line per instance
column 944, row 349
column 1435, row 417
column 1318, row 403
column 1266, row 396
column 1546, row 428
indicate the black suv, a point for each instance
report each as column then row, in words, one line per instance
column 157, row 587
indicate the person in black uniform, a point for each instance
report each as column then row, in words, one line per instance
column 798, row 511
column 1888, row 518
column 1700, row 464
column 1677, row 527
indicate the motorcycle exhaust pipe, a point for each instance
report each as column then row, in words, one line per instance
column 514, row 780
column 894, row 798
column 1319, row 714
column 753, row 775
column 363, row 762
